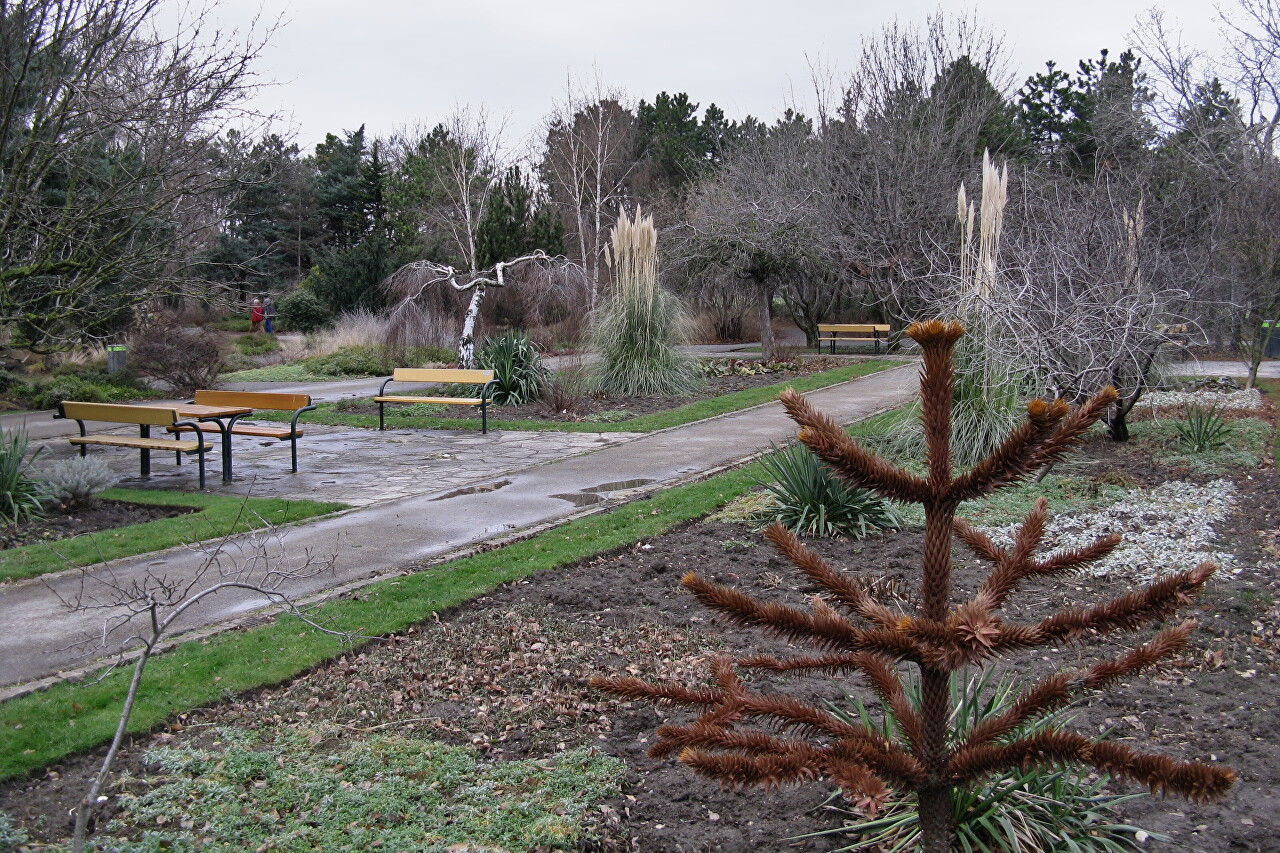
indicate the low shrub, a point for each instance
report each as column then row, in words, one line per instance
column 519, row 373
column 21, row 495
column 182, row 359
column 359, row 360
column 567, row 389
column 256, row 344
column 811, row 501
column 302, row 311
column 78, row 480
column 88, row 386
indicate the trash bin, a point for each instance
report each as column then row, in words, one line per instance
column 1273, row 343
column 115, row 358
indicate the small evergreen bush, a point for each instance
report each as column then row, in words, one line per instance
column 359, row 360
column 302, row 311
column 517, row 367
column 78, row 480
column 257, row 344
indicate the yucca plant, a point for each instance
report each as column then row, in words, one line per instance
column 639, row 329
column 21, row 496
column 1202, row 428
column 851, row 632
column 1049, row 810
column 517, row 367
column 808, row 499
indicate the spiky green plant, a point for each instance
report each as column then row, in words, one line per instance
column 21, row 495
column 639, row 329
column 1054, row 810
column 808, row 499
column 1202, row 428
column 517, row 367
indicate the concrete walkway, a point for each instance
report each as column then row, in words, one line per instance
column 383, row 537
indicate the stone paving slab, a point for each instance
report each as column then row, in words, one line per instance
column 354, row 466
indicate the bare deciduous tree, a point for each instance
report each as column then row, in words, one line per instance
column 107, row 134
column 590, row 152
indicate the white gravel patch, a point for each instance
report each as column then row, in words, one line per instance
column 1225, row 400
column 1166, row 529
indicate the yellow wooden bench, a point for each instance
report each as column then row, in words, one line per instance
column 269, row 400
column 442, row 376
column 855, row 333
column 145, row 417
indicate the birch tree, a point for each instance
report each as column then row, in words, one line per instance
column 590, row 153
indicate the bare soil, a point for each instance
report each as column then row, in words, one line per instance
column 65, row 522
column 507, row 673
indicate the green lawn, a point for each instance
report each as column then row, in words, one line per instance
column 218, row 515
column 326, row 414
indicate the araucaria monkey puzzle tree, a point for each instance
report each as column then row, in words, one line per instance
column 852, row 632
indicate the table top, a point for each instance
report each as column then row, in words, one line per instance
column 193, row 410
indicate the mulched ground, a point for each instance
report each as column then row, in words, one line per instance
column 65, row 522
column 507, row 673
column 588, row 407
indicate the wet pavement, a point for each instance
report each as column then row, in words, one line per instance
column 419, row 496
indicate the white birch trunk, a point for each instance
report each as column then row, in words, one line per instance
column 467, row 344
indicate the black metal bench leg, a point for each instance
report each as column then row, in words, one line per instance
column 145, row 432
column 381, row 421
column 293, row 450
column 484, row 419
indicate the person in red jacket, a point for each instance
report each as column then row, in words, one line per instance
column 255, row 316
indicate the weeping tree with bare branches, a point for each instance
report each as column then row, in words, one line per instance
column 852, row 633
column 462, row 169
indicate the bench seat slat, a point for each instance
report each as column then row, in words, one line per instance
column 141, row 443
column 461, row 401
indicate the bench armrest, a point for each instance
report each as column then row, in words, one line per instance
column 485, row 392
column 383, row 390
column 192, row 425
column 293, row 424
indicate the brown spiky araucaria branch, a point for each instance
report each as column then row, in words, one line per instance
column 851, row 633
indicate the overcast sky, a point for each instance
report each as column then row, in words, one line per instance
column 388, row 63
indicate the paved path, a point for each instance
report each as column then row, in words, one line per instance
column 382, row 537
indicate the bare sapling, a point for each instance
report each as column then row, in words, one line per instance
column 143, row 609
column 852, row 632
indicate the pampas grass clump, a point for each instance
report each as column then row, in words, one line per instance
column 638, row 329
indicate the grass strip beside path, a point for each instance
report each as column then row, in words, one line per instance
column 696, row 411
column 41, row 728
column 216, row 516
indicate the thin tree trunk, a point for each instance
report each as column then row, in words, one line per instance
column 90, row 800
column 766, row 321
column 467, row 344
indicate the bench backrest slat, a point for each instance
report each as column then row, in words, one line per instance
column 863, row 328
column 253, row 399
column 427, row 374
column 119, row 413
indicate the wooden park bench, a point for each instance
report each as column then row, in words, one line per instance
column 268, row 400
column 482, row 378
column 854, row 333
column 145, row 417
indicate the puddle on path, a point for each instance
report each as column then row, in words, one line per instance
column 619, row 486
column 474, row 490
column 580, row 498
